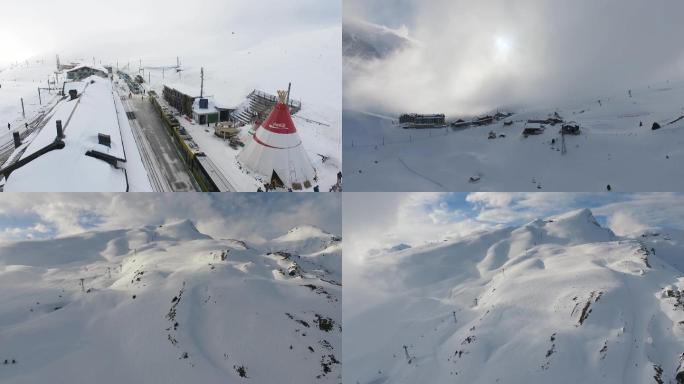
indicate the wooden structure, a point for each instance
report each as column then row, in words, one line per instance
column 484, row 120
column 179, row 100
column 203, row 110
column 258, row 106
column 549, row 121
column 570, row 129
column 532, row 129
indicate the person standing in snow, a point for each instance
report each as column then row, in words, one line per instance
column 9, row 126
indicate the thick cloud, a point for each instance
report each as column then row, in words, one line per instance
column 254, row 217
column 383, row 220
column 477, row 56
column 128, row 29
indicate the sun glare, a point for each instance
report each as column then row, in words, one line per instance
column 503, row 46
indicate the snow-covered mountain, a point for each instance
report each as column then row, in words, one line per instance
column 560, row 300
column 315, row 246
column 363, row 40
column 616, row 146
column 168, row 304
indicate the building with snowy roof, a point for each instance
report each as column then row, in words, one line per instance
column 83, row 71
column 95, row 152
column 203, row 110
column 275, row 151
column 414, row 120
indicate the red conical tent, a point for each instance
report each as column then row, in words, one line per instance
column 276, row 149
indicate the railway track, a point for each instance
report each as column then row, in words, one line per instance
column 157, row 179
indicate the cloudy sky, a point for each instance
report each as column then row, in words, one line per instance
column 475, row 56
column 152, row 28
column 254, row 217
column 382, row 220
column 376, row 221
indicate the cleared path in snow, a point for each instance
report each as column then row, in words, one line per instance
column 420, row 175
column 175, row 175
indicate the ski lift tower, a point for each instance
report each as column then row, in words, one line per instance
column 564, row 150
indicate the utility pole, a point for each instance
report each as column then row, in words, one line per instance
column 564, row 149
column 202, row 89
column 289, row 88
column 40, row 100
column 58, row 65
column 23, row 112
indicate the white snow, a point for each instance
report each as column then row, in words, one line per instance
column 97, row 110
column 311, row 60
column 153, row 294
column 611, row 150
column 22, row 81
column 559, row 300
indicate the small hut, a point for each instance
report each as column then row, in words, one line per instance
column 570, row 129
column 532, row 129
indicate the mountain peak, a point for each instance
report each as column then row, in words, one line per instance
column 181, row 230
column 306, row 231
column 579, row 226
column 580, row 216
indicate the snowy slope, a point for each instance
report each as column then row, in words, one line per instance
column 165, row 304
column 561, row 300
column 367, row 41
column 315, row 246
column 22, row 81
column 612, row 149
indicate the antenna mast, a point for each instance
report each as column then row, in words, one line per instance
column 289, row 88
column 202, row 89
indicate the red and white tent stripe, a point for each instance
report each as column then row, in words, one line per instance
column 276, row 147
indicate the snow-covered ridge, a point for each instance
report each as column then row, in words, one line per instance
column 560, row 299
column 197, row 308
column 364, row 40
column 305, row 240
